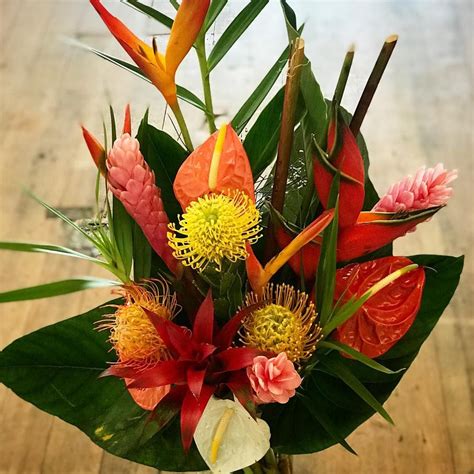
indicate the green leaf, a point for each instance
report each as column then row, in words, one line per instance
column 46, row 248
column 214, row 11
column 362, row 358
column 151, row 12
column 122, row 225
column 57, row 369
column 326, row 423
column 142, row 252
column 234, row 31
column 56, row 288
column 261, row 141
column 342, row 314
column 164, row 155
column 291, row 432
column 251, row 105
column 182, row 92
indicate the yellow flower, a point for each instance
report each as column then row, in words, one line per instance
column 287, row 323
column 213, row 228
column 132, row 334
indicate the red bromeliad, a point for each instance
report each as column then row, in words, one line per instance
column 202, row 362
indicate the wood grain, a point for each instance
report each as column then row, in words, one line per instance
column 421, row 114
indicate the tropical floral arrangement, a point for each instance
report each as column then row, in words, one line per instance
column 258, row 311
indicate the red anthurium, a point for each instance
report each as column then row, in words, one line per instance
column 219, row 165
column 351, row 165
column 385, row 317
column 372, row 231
column 202, row 361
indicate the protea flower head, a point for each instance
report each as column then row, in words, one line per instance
column 427, row 188
column 132, row 182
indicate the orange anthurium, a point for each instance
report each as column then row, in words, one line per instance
column 349, row 162
column 159, row 68
column 372, row 231
column 219, row 165
column 216, row 191
column 260, row 276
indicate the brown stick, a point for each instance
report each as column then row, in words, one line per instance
column 287, row 124
column 372, row 83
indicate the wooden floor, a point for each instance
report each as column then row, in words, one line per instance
column 422, row 114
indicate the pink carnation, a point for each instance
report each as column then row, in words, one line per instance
column 273, row 380
column 428, row 188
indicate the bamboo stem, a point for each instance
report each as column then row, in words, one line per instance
column 285, row 144
column 372, row 83
column 343, row 76
column 206, row 81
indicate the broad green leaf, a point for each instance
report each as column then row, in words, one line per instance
column 234, row 31
column 326, row 422
column 214, row 11
column 57, row 369
column 291, row 432
column 151, row 12
column 142, row 253
column 182, row 92
column 122, row 225
column 56, row 288
column 46, row 248
column 251, row 105
column 164, row 155
column 362, row 358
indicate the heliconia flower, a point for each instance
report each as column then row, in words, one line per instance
column 133, row 336
column 160, row 69
column 349, row 162
column 387, row 315
column 428, row 188
column 228, row 438
column 132, row 182
column 371, row 231
column 274, row 379
column 215, row 189
column 200, row 362
column 286, row 322
column 259, row 276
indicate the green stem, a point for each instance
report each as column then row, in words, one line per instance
column 206, row 81
column 343, row 76
column 182, row 126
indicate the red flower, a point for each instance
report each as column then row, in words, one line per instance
column 386, row 317
column 202, row 362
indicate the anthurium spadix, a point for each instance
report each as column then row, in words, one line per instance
column 159, row 68
column 342, row 155
column 371, row 231
column 228, row 438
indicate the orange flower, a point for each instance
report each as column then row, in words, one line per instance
column 159, row 68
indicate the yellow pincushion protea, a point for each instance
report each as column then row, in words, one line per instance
column 213, row 228
column 132, row 334
column 286, row 324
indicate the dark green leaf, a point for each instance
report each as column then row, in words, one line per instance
column 141, row 255
column 251, row 105
column 56, row 288
column 57, row 370
column 151, row 12
column 234, row 31
column 122, row 225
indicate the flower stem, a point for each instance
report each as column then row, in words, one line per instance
column 182, row 126
column 206, row 82
column 372, row 83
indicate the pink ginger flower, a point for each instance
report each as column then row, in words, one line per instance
column 273, row 380
column 428, row 188
column 133, row 182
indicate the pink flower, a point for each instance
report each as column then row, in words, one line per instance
column 273, row 380
column 133, row 183
column 428, row 188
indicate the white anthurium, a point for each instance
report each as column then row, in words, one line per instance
column 228, row 438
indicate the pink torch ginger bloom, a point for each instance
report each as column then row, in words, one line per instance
column 428, row 188
column 273, row 380
column 132, row 182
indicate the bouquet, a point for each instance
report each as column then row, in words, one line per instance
column 257, row 308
